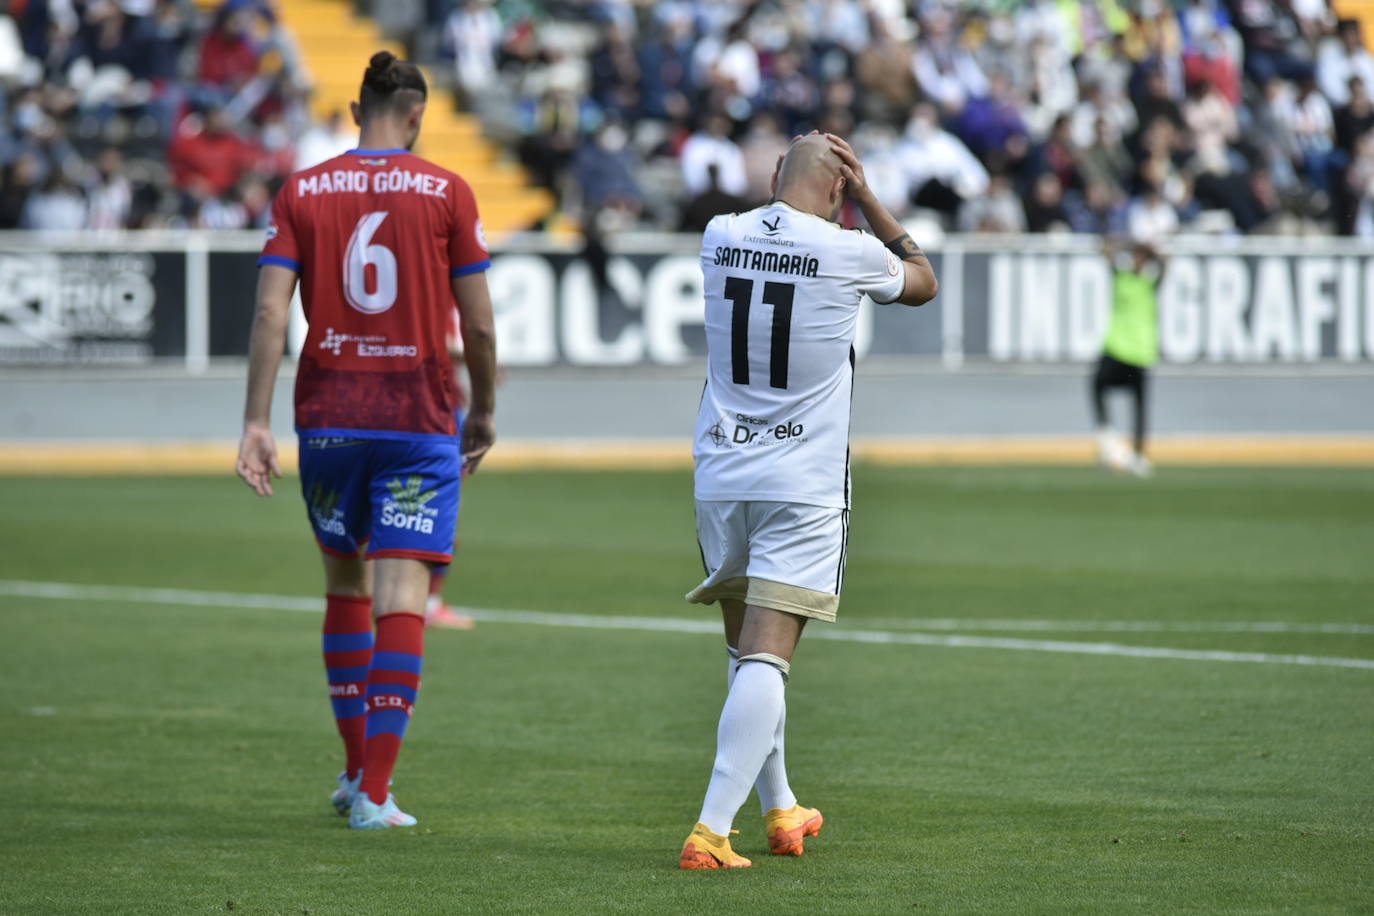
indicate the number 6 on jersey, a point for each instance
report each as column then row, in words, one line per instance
column 361, row 253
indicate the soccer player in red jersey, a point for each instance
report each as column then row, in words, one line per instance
column 383, row 244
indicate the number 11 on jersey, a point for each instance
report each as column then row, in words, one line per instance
column 740, row 292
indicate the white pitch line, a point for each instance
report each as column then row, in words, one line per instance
column 196, row 598
column 1121, row 626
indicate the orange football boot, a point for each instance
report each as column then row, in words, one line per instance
column 440, row 615
column 787, row 828
column 705, row 849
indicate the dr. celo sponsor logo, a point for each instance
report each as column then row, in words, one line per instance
column 744, row 429
column 781, row 433
column 408, row 508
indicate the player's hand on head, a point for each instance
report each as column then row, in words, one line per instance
column 479, row 434
column 258, row 463
column 855, row 182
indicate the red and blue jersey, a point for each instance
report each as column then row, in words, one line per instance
column 376, row 236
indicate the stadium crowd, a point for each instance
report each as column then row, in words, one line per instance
column 1138, row 116
column 146, row 113
column 1042, row 115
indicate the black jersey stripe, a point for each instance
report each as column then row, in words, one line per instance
column 696, row 520
column 848, row 426
column 844, row 552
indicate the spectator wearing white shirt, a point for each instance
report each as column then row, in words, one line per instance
column 1053, row 83
column 731, row 64
column 473, row 35
column 325, row 141
column 711, row 145
column 11, row 50
column 109, row 196
column 1043, row 19
column 1341, row 58
column 1097, row 105
column 1306, row 119
column 841, row 21
column 941, row 173
column 57, row 206
column 1150, row 216
column 1210, row 119
column 999, row 210
column 878, row 150
column 946, row 72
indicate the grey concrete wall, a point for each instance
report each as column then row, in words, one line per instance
column 168, row 405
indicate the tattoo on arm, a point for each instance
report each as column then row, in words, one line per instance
column 904, row 248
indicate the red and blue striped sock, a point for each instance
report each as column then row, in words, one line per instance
column 391, row 690
column 347, row 660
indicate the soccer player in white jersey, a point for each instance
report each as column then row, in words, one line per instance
column 783, row 285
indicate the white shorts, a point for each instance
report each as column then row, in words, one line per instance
column 785, row 556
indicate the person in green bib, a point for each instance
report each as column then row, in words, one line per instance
column 1130, row 349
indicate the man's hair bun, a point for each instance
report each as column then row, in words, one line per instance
column 381, row 75
column 387, row 75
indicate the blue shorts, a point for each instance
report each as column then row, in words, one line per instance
column 398, row 497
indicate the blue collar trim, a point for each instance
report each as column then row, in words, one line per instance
column 375, row 152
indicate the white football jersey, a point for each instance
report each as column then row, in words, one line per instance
column 782, row 300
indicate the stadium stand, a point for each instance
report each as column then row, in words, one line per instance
column 1243, row 116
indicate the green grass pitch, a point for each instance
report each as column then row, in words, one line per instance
column 168, row 758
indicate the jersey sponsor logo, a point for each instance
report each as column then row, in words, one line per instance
column 894, row 266
column 773, row 227
column 271, row 231
column 743, row 430
column 772, row 261
column 359, row 181
column 333, row 341
column 783, row 431
column 407, row 508
column 371, row 345
column 480, row 234
column 367, row 349
column 770, row 240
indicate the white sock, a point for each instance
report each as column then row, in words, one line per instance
column 772, row 785
column 744, row 739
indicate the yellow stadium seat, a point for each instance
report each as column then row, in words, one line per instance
column 336, row 46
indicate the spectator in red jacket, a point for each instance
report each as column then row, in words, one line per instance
column 228, row 56
column 207, row 157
